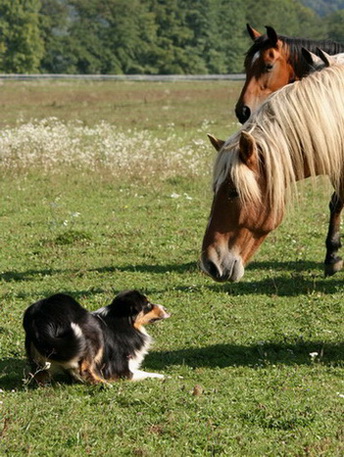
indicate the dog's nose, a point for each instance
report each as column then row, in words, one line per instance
column 162, row 311
column 165, row 313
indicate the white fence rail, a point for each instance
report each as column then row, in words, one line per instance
column 158, row 78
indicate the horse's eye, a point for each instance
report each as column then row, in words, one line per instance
column 232, row 193
column 268, row 67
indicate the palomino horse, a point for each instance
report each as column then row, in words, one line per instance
column 272, row 62
column 297, row 133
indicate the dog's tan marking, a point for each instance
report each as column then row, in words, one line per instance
column 157, row 312
column 88, row 373
column 99, row 356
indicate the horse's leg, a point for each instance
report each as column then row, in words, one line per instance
column 333, row 262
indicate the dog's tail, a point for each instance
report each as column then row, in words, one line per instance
column 58, row 342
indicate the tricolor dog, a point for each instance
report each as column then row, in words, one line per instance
column 93, row 347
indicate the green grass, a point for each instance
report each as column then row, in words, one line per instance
column 240, row 378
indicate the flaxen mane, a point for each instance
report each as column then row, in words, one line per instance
column 302, row 123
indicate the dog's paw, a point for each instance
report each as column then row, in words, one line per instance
column 159, row 376
column 139, row 375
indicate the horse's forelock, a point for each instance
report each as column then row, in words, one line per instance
column 261, row 43
column 229, row 164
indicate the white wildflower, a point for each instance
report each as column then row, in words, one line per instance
column 51, row 143
column 313, row 355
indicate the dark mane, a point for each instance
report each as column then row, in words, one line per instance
column 295, row 45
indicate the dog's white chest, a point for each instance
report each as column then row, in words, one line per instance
column 136, row 360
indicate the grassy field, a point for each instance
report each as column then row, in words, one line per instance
column 106, row 186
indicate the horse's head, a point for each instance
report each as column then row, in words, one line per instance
column 267, row 69
column 241, row 216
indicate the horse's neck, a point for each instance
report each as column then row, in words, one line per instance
column 294, row 48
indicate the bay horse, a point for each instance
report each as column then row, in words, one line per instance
column 272, row 62
column 297, row 133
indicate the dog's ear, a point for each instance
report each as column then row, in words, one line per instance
column 128, row 303
column 136, row 302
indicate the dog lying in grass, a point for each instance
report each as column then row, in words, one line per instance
column 93, row 347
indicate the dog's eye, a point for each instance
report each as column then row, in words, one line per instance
column 149, row 307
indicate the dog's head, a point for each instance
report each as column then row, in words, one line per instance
column 135, row 306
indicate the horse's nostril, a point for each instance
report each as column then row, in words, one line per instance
column 246, row 113
column 213, row 270
column 243, row 113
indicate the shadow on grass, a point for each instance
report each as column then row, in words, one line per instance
column 227, row 355
column 189, row 267
column 17, row 276
column 13, row 371
column 303, row 278
column 15, row 375
column 300, row 280
column 300, row 266
column 293, row 286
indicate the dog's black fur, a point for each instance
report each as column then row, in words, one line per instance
column 102, row 346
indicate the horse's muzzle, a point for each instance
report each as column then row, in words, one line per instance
column 243, row 113
column 230, row 268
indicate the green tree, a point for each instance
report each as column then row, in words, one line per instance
column 143, row 36
column 113, row 36
column 335, row 27
column 55, row 22
column 21, row 45
column 163, row 36
column 231, row 26
column 324, row 7
column 131, row 34
column 288, row 17
column 172, row 35
column 199, row 36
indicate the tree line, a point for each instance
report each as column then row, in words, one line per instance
column 146, row 36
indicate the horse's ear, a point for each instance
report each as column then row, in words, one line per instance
column 247, row 149
column 326, row 58
column 311, row 58
column 272, row 35
column 215, row 142
column 254, row 34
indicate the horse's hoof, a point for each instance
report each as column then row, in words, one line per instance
column 334, row 267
